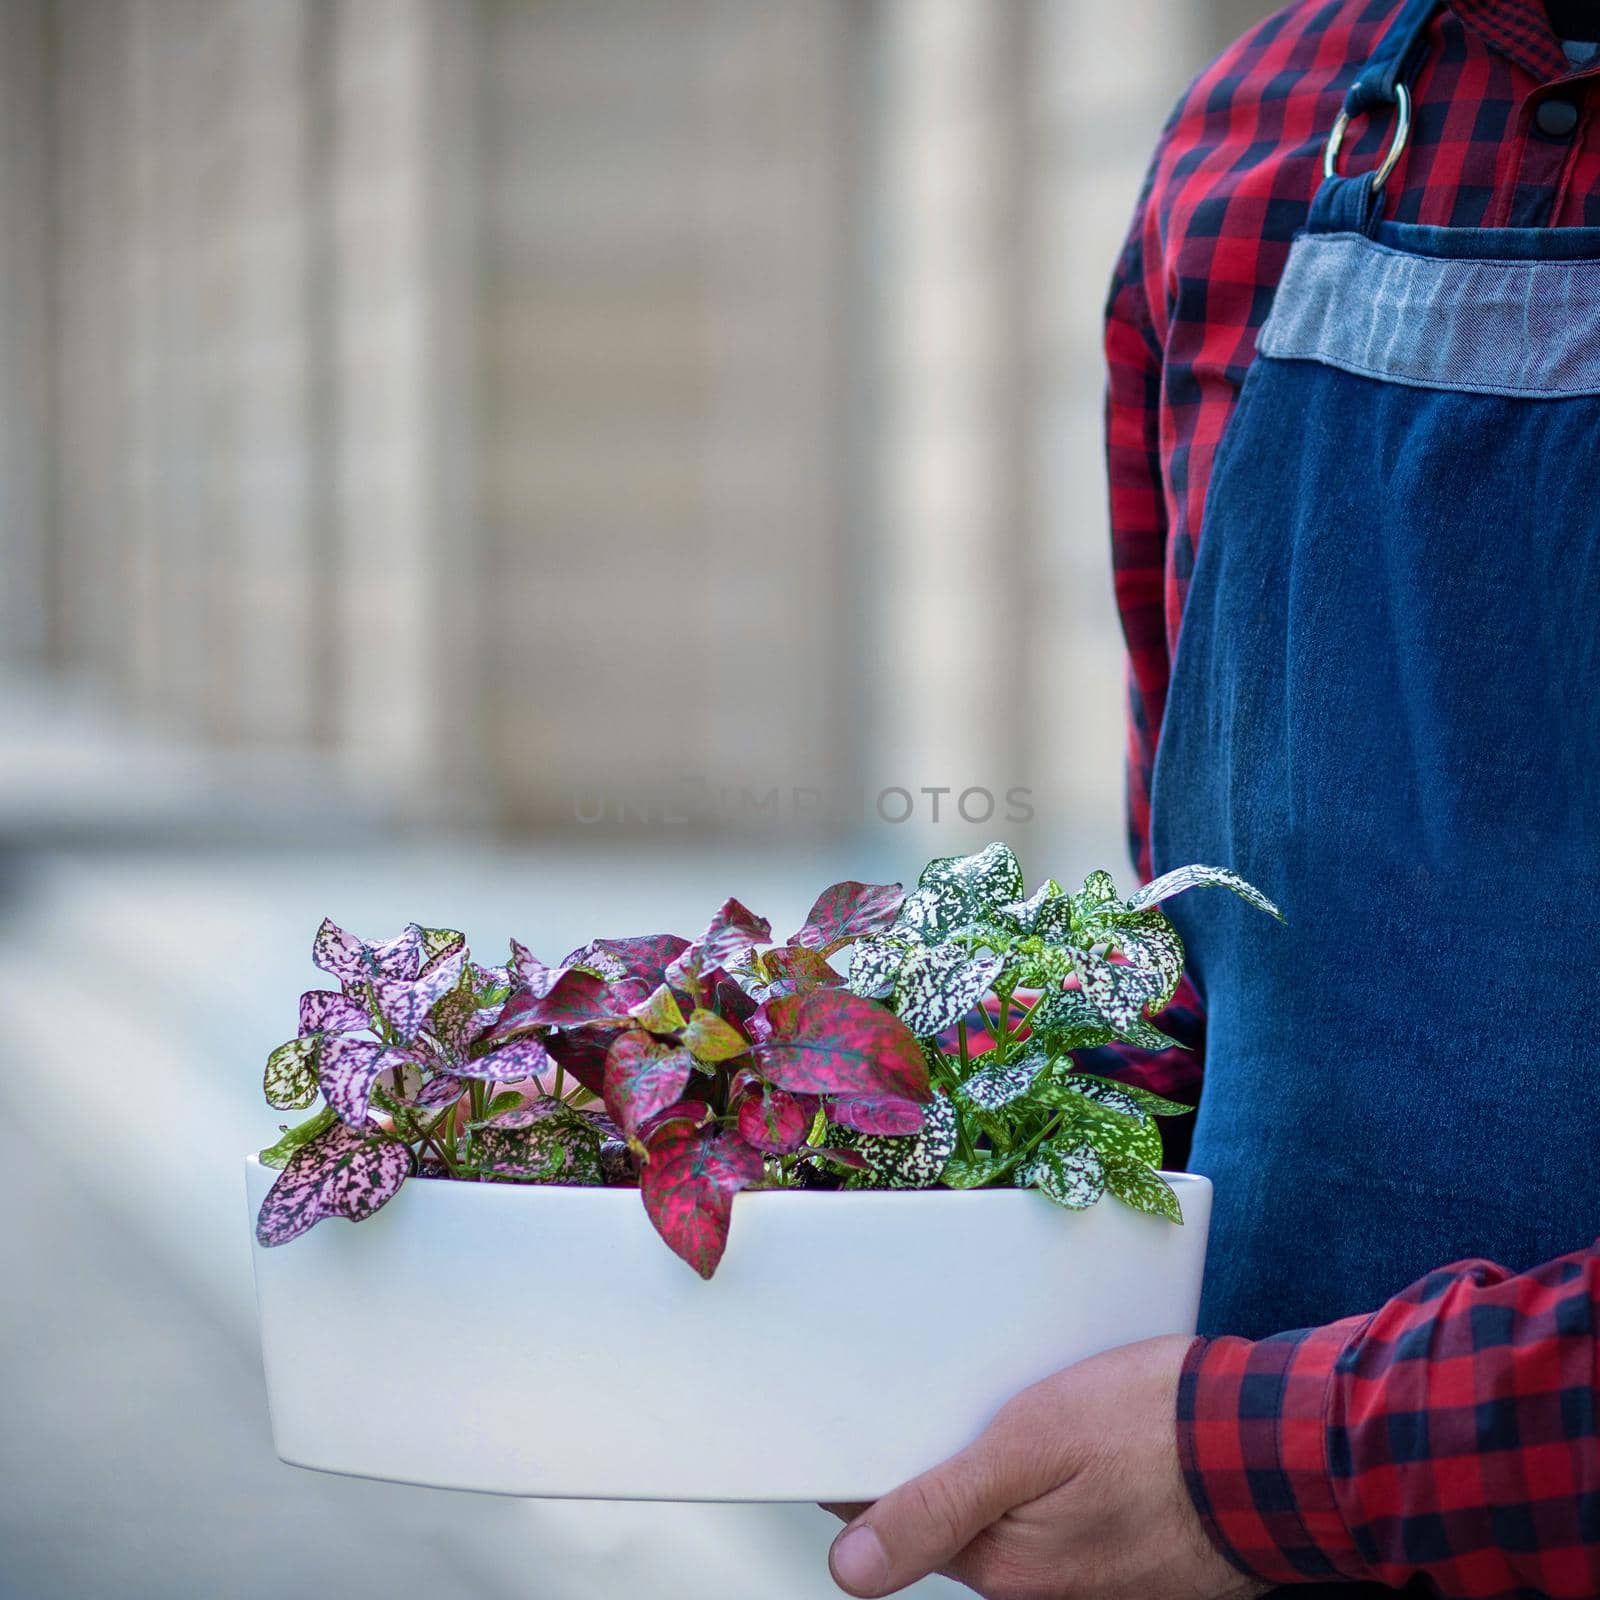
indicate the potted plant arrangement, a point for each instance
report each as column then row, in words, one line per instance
column 887, row 1180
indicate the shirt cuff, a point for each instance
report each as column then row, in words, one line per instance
column 1253, row 1444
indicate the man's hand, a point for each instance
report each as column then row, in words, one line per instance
column 1073, row 1492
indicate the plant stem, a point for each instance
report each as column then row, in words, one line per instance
column 479, row 1092
column 961, row 1040
column 1039, row 1138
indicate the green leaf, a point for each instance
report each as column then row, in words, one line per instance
column 993, row 876
column 1112, row 1129
column 1022, row 915
column 911, row 1161
column 1197, row 877
column 1147, row 1036
column 939, row 984
column 1153, row 1105
column 1073, row 1175
column 1143, row 1188
column 711, row 1039
column 277, row 1155
column 1099, row 889
column 1119, row 993
column 994, row 1086
column 958, row 891
column 440, row 941
column 1115, row 1135
column 1151, row 942
column 660, row 1013
column 874, row 965
column 290, row 1081
column 561, row 1147
column 984, row 1167
column 1069, row 1020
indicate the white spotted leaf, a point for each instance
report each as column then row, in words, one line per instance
column 939, row 984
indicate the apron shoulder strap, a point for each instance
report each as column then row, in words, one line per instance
column 1354, row 204
column 1394, row 61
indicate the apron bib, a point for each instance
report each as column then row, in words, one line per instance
column 1385, row 711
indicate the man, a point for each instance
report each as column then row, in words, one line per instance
column 1383, row 707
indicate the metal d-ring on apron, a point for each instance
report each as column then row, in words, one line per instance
column 1385, row 711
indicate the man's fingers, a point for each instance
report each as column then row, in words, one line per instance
column 847, row 1513
column 917, row 1528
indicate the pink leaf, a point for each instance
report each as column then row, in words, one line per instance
column 878, row 1114
column 329, row 1011
column 644, row 1075
column 347, row 1068
column 405, row 1003
column 532, row 974
column 688, row 1185
column 848, row 911
column 399, row 957
column 832, row 1042
column 522, row 1058
column 338, row 952
column 437, row 1092
column 344, row 1172
column 725, row 994
column 352, row 961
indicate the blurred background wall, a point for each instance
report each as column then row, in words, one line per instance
column 443, row 407
column 535, row 466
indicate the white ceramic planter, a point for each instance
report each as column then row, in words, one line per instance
column 544, row 1341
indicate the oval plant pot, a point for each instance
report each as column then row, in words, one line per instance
column 847, row 1342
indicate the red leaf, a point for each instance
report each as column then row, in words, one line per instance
column 733, row 930
column 829, row 1041
column 646, row 956
column 849, row 911
column 574, row 1000
column 729, row 999
column 771, row 1120
column 692, row 1111
column 644, row 1075
column 878, row 1114
column 846, row 1158
column 583, row 1054
column 688, row 1185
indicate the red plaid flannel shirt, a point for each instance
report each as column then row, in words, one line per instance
column 1450, row 1435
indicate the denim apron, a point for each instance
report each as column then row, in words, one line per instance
column 1385, row 711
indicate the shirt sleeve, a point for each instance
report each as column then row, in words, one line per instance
column 1138, row 509
column 1451, row 1436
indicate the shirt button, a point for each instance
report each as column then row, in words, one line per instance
column 1556, row 118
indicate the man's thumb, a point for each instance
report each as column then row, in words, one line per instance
column 917, row 1528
